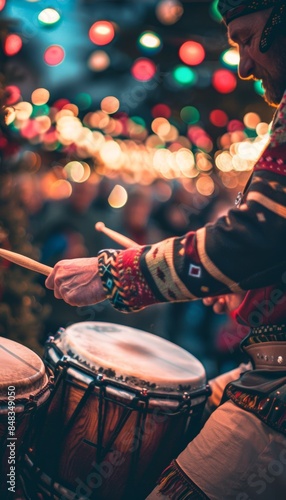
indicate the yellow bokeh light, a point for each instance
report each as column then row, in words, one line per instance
column 98, row 60
column 118, row 197
column 97, row 140
column 231, row 57
column 111, row 154
column 110, row 104
column 161, row 126
column 251, row 120
column 153, row 141
column 223, row 161
column 60, row 189
column 248, row 151
column 40, row 96
column 170, row 135
column 49, row 16
column 72, row 107
column 203, row 162
column 77, row 171
column 150, row 40
column 185, row 161
column 205, row 185
column 240, row 164
column 23, row 110
column 262, row 129
column 69, row 128
column 10, row 115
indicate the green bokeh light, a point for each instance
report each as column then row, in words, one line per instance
column 190, row 115
column 184, row 75
column 41, row 110
column 258, row 88
column 214, row 11
column 83, row 100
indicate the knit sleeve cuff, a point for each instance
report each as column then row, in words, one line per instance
column 123, row 281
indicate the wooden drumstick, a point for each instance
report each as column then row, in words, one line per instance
column 26, row 262
column 115, row 236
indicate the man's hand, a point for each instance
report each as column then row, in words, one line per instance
column 223, row 304
column 77, row 282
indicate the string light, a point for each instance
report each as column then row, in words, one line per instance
column 192, row 53
column 98, row 61
column 118, row 197
column 13, row 44
column 224, row 81
column 161, row 110
column 101, row 32
column 184, row 75
column 143, row 69
column 49, row 17
column 230, row 58
column 190, row 114
column 169, row 11
column 40, row 96
column 150, row 42
column 218, row 118
column 54, row 55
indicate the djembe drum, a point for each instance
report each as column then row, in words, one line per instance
column 125, row 403
column 25, row 386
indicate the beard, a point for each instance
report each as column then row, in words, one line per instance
column 276, row 86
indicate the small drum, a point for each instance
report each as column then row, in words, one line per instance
column 125, row 403
column 24, row 389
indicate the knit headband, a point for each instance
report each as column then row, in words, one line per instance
column 232, row 9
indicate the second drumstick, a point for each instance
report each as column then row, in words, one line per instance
column 115, row 236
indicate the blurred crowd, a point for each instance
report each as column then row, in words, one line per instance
column 65, row 229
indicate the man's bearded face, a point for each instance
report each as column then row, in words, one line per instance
column 275, row 86
column 269, row 66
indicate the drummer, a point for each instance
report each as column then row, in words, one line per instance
column 241, row 451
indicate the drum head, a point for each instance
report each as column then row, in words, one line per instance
column 20, row 367
column 132, row 355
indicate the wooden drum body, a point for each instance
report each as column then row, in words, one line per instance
column 25, row 387
column 125, row 403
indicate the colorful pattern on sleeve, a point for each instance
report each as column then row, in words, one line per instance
column 123, row 281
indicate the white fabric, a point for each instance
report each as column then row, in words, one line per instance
column 236, row 456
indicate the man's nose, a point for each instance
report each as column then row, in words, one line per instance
column 246, row 66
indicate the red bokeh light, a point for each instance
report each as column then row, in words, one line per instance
column 143, row 69
column 218, row 118
column 192, row 53
column 224, row 81
column 60, row 103
column 2, row 4
column 161, row 110
column 13, row 94
column 54, row 55
column 235, row 125
column 101, row 32
column 13, row 44
column 31, row 129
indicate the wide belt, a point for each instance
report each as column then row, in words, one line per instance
column 268, row 355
